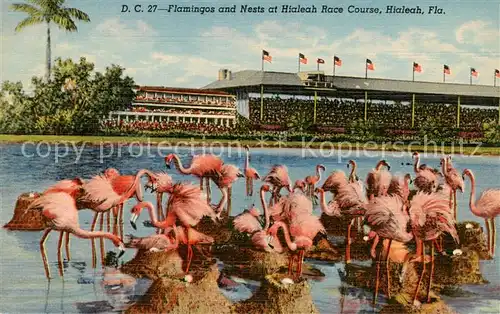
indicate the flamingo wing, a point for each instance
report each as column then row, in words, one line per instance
column 334, row 181
column 386, row 217
column 489, row 202
column 188, row 204
column 205, row 165
column 454, row 179
column 247, row 223
column 100, row 190
column 371, row 183
column 306, row 225
column 58, row 208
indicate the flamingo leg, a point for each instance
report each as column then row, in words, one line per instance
column 438, row 246
column 68, row 256
column 92, row 228
column 430, row 276
column 377, row 280
column 451, row 199
column 300, row 261
column 44, row 253
column 209, row 191
column 108, row 221
column 229, row 197
column 290, row 263
column 201, row 183
column 121, row 221
column 159, row 210
column 348, row 243
column 422, row 273
column 493, row 236
column 247, row 185
column 455, row 208
column 250, row 183
column 101, row 240
column 488, row 234
column 115, row 220
column 387, row 269
column 418, row 244
column 59, row 253
column 189, row 251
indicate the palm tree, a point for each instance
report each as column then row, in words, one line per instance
column 49, row 11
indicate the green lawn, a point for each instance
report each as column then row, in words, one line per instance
column 96, row 140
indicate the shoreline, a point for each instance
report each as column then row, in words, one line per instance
column 270, row 144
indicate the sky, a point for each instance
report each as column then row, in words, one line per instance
column 187, row 49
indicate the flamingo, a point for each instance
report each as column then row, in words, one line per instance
column 430, row 217
column 454, row 181
column 387, row 217
column 162, row 184
column 350, row 203
column 400, row 187
column 378, row 180
column 248, row 222
column 224, row 180
column 300, row 185
column 426, row 179
column 291, row 206
column 334, row 181
column 487, row 207
column 186, row 204
column 202, row 166
column 250, row 173
column 278, row 178
column 311, row 181
column 353, row 176
column 303, row 228
column 60, row 213
column 101, row 194
column 153, row 243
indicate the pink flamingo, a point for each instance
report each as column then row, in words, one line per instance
column 290, row 206
column 60, row 213
column 334, row 181
column 300, row 185
column 248, row 222
column 303, row 228
column 426, row 179
column 153, row 243
column 250, row 173
column 102, row 194
column 349, row 203
column 202, row 166
column 224, row 179
column 400, row 187
column 487, row 207
column 378, row 180
column 186, row 204
column 430, row 217
column 162, row 184
column 278, row 178
column 311, row 181
column 387, row 217
column 454, row 181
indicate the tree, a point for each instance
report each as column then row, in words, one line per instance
column 75, row 101
column 49, row 11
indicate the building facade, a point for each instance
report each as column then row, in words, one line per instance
column 167, row 104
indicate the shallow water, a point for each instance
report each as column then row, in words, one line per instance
column 25, row 289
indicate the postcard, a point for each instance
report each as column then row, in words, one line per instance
column 250, row 156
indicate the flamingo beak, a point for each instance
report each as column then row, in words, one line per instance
column 269, row 239
column 133, row 219
column 122, row 250
column 240, row 175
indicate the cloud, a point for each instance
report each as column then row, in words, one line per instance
column 477, row 32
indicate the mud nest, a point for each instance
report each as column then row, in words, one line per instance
column 222, row 232
column 472, row 238
column 30, row 220
column 403, row 278
column 337, row 226
column 402, row 304
column 154, row 265
column 458, row 269
column 324, row 251
column 169, row 295
column 275, row 297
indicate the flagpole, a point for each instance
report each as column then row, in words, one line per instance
column 262, row 57
column 495, row 82
column 413, row 68
column 366, row 70
column 444, row 76
column 299, row 63
column 334, row 67
column 318, row 64
column 470, row 76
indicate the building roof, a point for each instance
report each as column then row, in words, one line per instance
column 355, row 87
column 180, row 90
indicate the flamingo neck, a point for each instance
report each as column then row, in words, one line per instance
column 264, row 208
column 159, row 199
column 280, row 224
column 152, row 214
column 416, row 165
column 444, row 166
column 472, row 198
column 247, row 159
column 322, row 202
column 318, row 173
column 352, row 175
column 136, row 187
column 223, row 200
column 179, row 166
column 85, row 234
column 379, row 166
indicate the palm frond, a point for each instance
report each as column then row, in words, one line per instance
column 29, row 21
column 47, row 3
column 77, row 14
column 26, row 8
column 64, row 22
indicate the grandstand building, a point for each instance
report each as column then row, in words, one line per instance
column 252, row 87
column 156, row 104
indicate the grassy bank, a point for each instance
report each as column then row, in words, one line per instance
column 389, row 146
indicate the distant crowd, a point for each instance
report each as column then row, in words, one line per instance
column 184, row 111
column 171, row 126
column 341, row 114
column 199, row 102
